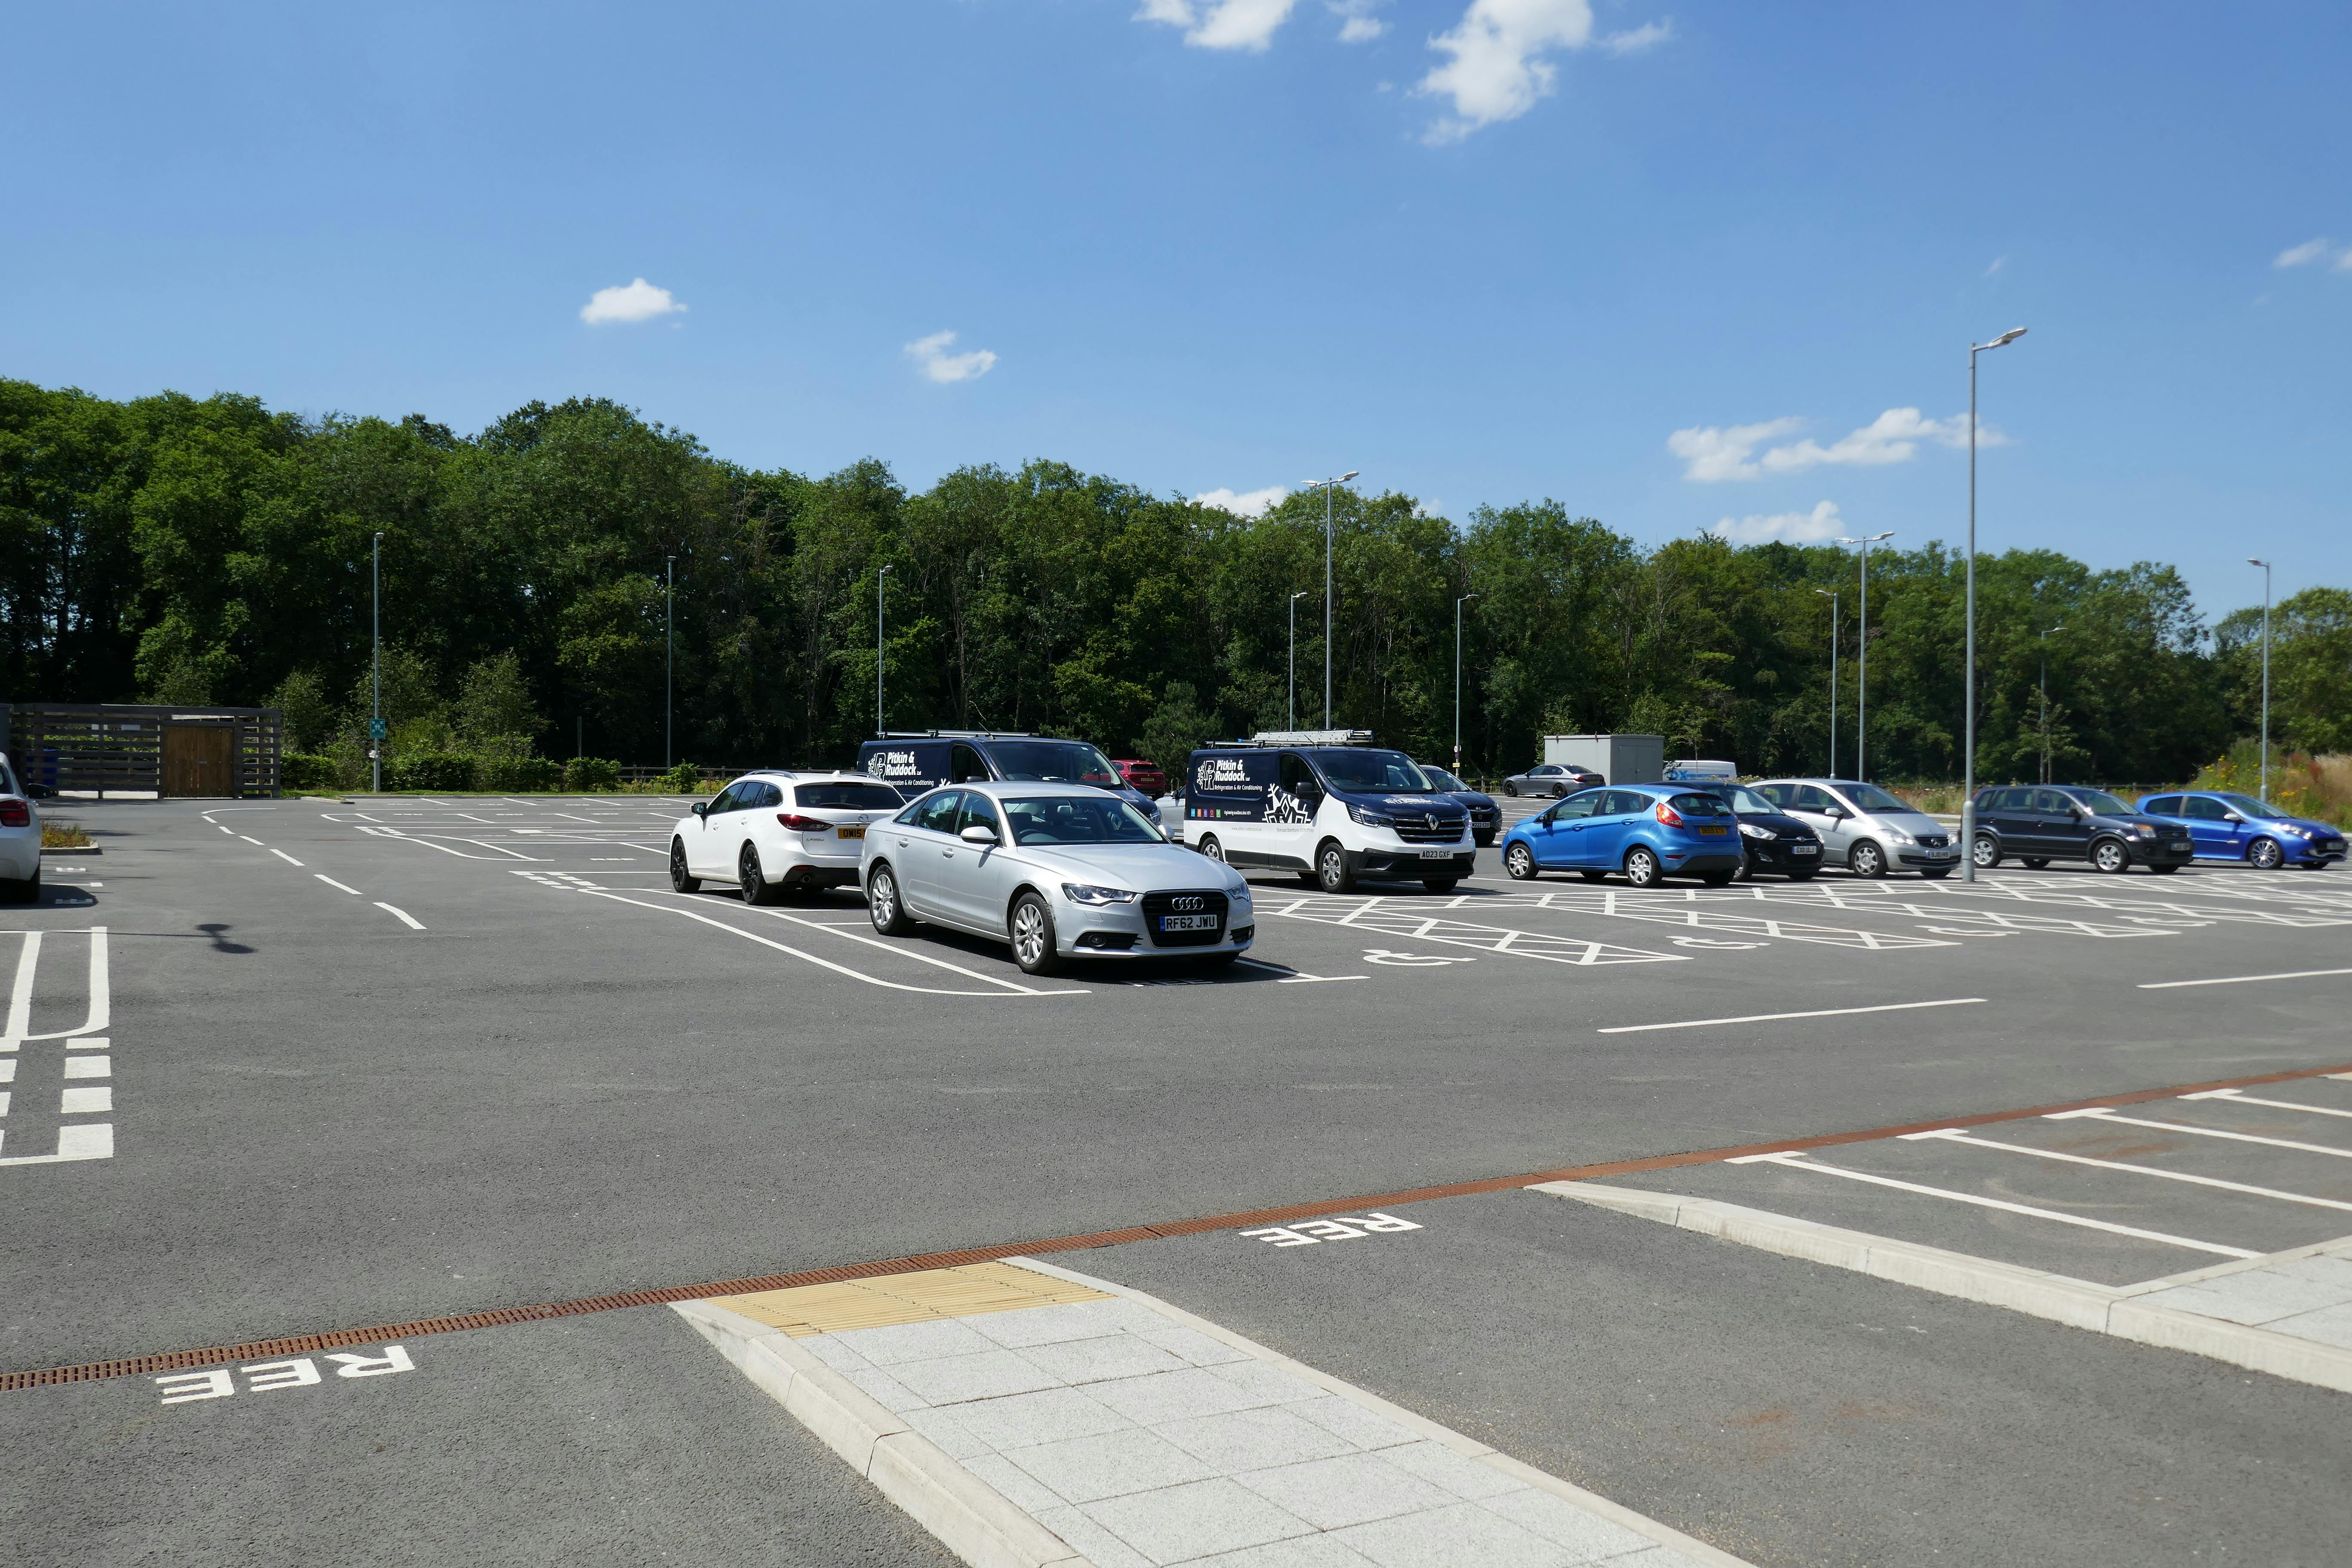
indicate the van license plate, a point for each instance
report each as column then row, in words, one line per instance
column 1437, row 854
column 1713, row 832
column 1188, row 922
column 850, row 832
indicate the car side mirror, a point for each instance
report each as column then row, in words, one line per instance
column 976, row 834
column 701, row 808
column 1836, row 813
column 2232, row 816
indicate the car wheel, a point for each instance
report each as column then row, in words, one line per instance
column 1032, row 936
column 2034, row 862
column 1485, row 840
column 1331, row 873
column 680, row 880
column 1519, row 863
column 2264, row 855
column 1717, row 878
column 1985, row 851
column 1746, row 872
column 1866, row 859
column 2108, row 855
column 883, row 904
column 753, row 882
column 1212, row 850
column 1642, row 867
column 1439, row 884
column 1511, row 789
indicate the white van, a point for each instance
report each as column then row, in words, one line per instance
column 1327, row 805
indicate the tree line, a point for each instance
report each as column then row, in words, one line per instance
column 173, row 549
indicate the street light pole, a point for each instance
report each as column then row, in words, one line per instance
column 669, row 659
column 2263, row 788
column 1458, row 680
column 1862, row 662
column 2045, row 700
column 376, row 626
column 1830, row 595
column 1294, row 655
column 1969, row 680
column 1327, row 486
column 878, row 576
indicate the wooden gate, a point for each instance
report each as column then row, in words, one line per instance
column 199, row 759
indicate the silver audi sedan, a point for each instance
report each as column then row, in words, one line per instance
column 1060, row 871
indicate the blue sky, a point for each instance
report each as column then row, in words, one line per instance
column 1670, row 263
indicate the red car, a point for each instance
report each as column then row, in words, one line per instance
column 1140, row 774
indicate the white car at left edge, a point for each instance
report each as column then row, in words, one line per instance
column 776, row 831
column 20, row 841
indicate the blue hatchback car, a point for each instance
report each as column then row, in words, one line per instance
column 2238, row 827
column 1644, row 831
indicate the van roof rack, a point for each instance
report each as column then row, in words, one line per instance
column 961, row 736
column 1303, row 738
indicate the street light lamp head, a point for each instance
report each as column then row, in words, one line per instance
column 1302, row 593
column 2009, row 336
column 2251, row 562
column 1350, row 474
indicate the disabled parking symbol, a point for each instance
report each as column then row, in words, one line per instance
column 1411, row 960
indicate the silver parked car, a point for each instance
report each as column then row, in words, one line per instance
column 1059, row 871
column 1863, row 828
column 1552, row 779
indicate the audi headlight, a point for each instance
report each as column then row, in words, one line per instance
column 1370, row 817
column 1755, row 830
column 1080, row 893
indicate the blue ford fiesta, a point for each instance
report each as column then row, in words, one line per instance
column 1644, row 831
column 2226, row 826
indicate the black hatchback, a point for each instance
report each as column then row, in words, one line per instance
column 1485, row 816
column 2041, row 823
column 1774, row 840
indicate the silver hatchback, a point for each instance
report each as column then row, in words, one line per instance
column 1865, row 829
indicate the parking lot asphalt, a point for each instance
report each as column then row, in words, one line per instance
column 375, row 1062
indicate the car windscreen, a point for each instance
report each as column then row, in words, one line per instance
column 1870, row 797
column 1445, row 780
column 2247, row 806
column 2101, row 804
column 1742, row 798
column 1370, row 772
column 1072, row 820
column 1052, row 762
column 847, row 796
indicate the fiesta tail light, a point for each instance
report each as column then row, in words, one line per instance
column 16, row 814
column 800, row 824
column 1669, row 816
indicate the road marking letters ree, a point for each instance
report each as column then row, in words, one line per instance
column 1308, row 1232
column 301, row 1371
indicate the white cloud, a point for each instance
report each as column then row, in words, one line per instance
column 1793, row 527
column 1711, row 455
column 1249, row 504
column 1998, row 263
column 2303, row 255
column 1648, row 36
column 640, row 301
column 1359, row 26
column 1221, row 24
column 2344, row 262
column 930, row 355
column 1716, row 454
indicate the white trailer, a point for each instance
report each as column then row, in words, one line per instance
column 1618, row 758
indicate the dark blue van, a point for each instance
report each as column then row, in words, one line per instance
column 914, row 761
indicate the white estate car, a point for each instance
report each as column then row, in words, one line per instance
column 775, row 831
column 1059, row 870
column 20, row 839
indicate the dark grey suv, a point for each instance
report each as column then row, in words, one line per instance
column 2041, row 823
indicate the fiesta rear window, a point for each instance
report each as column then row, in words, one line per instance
column 1700, row 805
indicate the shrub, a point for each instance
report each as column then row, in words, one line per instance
column 307, row 770
column 583, row 775
column 683, row 779
column 508, row 771
column 431, row 772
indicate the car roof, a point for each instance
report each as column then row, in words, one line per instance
column 806, row 776
column 999, row 788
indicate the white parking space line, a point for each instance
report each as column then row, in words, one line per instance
column 1691, row 911
column 284, row 857
column 1801, row 1163
column 333, row 883
column 1955, row 1135
column 255, row 842
column 2242, row 979
column 76, row 1141
column 20, row 995
column 2243, row 1097
column 1010, row 987
column 2102, row 1113
column 411, row 921
column 1774, row 1017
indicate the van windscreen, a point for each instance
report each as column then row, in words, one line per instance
column 1052, row 762
column 1369, row 772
